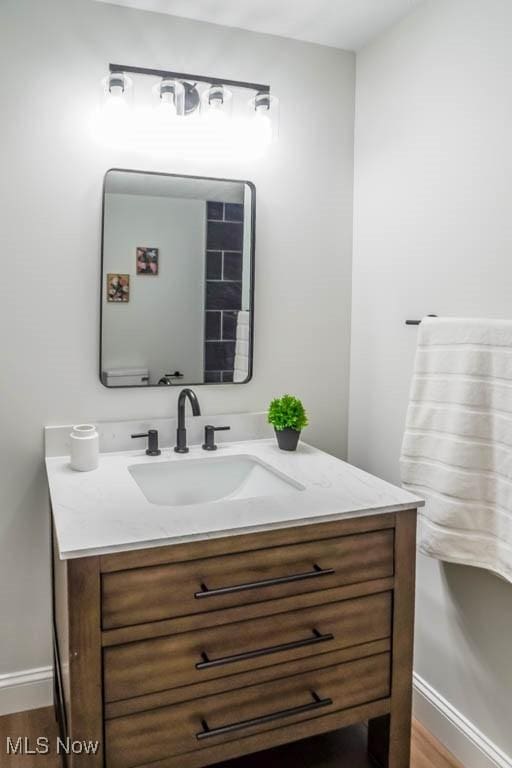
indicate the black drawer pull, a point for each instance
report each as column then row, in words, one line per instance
column 317, row 571
column 208, row 733
column 208, row 663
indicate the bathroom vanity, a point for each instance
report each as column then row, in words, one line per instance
column 190, row 633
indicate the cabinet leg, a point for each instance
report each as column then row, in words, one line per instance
column 389, row 741
column 389, row 737
column 378, row 741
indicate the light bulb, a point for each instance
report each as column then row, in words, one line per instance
column 217, row 102
column 265, row 117
column 116, row 86
column 262, row 103
column 263, row 127
column 168, row 97
column 166, row 104
column 116, row 91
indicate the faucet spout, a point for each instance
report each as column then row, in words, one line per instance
column 181, row 432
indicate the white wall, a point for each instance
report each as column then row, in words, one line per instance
column 433, row 233
column 162, row 326
column 55, row 54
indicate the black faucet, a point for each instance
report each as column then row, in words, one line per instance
column 181, row 432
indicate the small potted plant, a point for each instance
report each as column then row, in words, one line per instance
column 288, row 417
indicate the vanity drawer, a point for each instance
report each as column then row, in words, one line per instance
column 154, row 593
column 164, row 663
column 164, row 732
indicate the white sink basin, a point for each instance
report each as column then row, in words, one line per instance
column 198, row 481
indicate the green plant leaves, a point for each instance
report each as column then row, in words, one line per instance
column 287, row 412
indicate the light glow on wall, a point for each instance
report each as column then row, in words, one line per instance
column 184, row 117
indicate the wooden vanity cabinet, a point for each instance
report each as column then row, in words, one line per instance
column 187, row 655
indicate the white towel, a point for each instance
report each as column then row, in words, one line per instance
column 457, row 447
column 242, row 366
column 241, row 371
column 243, row 317
column 242, row 332
column 242, row 348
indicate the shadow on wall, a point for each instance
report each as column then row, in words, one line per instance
column 482, row 609
column 26, row 526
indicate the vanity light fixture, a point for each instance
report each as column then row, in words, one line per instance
column 169, row 96
column 192, row 97
column 216, row 96
column 262, row 103
column 116, row 87
column 265, row 109
column 218, row 100
column 180, row 94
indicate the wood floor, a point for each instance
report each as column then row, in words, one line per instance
column 318, row 752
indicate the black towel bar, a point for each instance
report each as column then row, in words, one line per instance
column 416, row 322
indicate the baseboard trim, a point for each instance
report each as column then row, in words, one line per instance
column 29, row 689
column 461, row 737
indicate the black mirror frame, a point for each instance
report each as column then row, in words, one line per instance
column 252, row 271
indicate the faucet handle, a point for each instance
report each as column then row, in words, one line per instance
column 152, row 435
column 209, row 437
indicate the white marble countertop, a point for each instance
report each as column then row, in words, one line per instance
column 104, row 511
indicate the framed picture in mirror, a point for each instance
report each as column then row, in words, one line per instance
column 147, row 261
column 118, row 288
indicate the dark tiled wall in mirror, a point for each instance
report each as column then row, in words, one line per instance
column 224, row 254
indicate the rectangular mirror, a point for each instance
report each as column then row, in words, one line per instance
column 177, row 274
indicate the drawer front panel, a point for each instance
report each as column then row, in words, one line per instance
column 164, row 663
column 155, row 593
column 194, row 725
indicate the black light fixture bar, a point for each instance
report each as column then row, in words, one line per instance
column 116, row 68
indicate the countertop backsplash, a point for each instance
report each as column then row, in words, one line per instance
column 116, row 435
